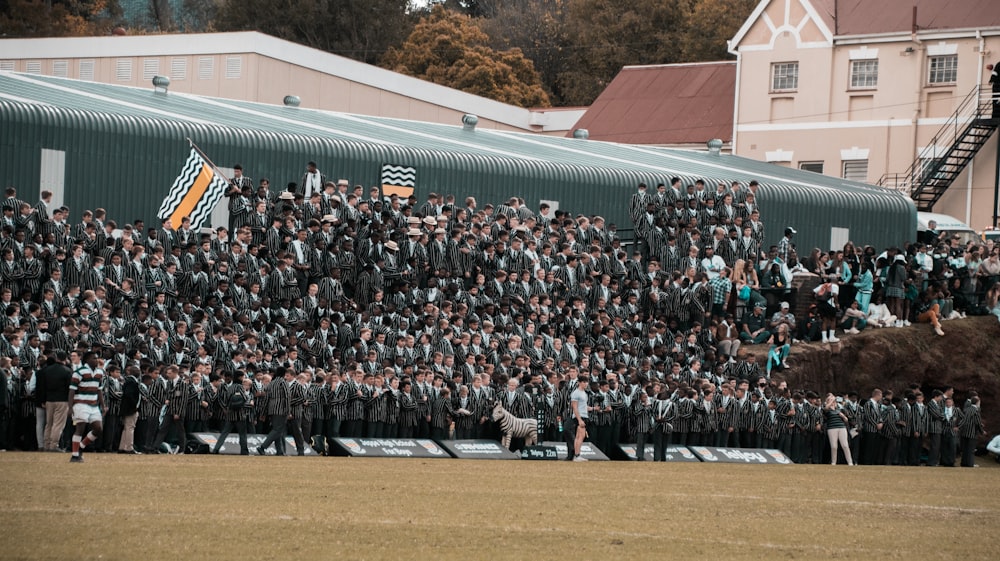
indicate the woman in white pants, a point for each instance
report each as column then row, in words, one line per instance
column 836, row 429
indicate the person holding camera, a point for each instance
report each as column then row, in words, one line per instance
column 836, row 429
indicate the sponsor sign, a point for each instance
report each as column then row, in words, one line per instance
column 673, row 453
column 478, row 450
column 539, row 453
column 389, row 448
column 587, row 450
column 739, row 455
column 232, row 444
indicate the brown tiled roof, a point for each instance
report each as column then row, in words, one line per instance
column 861, row 17
column 665, row 104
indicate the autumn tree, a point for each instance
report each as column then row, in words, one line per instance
column 447, row 48
column 359, row 29
column 55, row 18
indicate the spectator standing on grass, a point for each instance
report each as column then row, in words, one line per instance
column 53, row 382
column 969, row 430
column 580, row 413
column 836, row 430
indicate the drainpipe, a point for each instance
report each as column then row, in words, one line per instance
column 736, row 100
column 972, row 164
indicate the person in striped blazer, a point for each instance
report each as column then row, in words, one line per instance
column 969, row 429
column 872, row 421
column 407, row 410
column 442, row 413
column 335, row 402
column 237, row 401
column 178, row 391
column 277, row 404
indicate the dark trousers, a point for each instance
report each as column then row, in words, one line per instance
column 166, row 425
column 854, row 443
column 228, row 427
column 661, row 440
column 440, row 433
column 889, row 450
column 722, row 438
column 112, row 432
column 872, row 448
column 903, row 454
column 679, row 438
column 968, row 452
column 817, row 440
column 916, row 445
column 798, row 447
column 948, row 445
column 934, row 455
column 785, row 445
column 464, row 433
column 332, row 431
column 406, row 432
column 769, row 444
column 641, row 438
column 279, row 428
column 569, row 435
column 295, row 427
column 748, row 439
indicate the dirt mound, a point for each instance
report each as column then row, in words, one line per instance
column 967, row 357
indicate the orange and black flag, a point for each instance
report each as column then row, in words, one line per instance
column 398, row 180
column 195, row 192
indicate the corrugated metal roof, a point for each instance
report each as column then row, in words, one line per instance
column 665, row 104
column 485, row 163
column 862, row 17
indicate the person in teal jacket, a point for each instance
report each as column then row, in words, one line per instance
column 864, row 283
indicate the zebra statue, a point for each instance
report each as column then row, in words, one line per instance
column 512, row 426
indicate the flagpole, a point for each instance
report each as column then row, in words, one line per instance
column 207, row 159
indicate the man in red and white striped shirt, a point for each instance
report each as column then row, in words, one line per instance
column 88, row 404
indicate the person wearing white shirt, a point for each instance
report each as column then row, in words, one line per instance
column 712, row 264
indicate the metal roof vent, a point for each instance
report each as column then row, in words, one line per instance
column 160, row 84
column 292, row 101
column 469, row 121
column 582, row 134
column 715, row 147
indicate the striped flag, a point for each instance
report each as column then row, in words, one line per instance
column 195, row 192
column 398, row 180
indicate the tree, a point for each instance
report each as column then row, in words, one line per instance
column 710, row 25
column 54, row 18
column 536, row 28
column 359, row 29
column 447, row 48
column 608, row 34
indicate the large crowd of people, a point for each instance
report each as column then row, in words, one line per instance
column 322, row 312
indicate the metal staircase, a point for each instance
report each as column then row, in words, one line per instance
column 965, row 132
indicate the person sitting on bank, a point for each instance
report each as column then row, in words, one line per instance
column 929, row 311
column 754, row 329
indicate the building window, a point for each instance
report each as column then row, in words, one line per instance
column 942, row 69
column 815, row 167
column 206, row 68
column 123, row 70
column 856, row 170
column 784, row 76
column 234, row 67
column 33, row 67
column 7, row 65
column 178, row 69
column 150, row 68
column 864, row 74
column 86, row 70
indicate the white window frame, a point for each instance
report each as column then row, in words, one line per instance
column 864, row 74
column 87, row 70
column 812, row 163
column 852, row 173
column 787, row 73
column 942, row 69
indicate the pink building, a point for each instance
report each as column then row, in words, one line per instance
column 893, row 92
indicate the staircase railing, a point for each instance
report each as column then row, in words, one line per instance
column 978, row 104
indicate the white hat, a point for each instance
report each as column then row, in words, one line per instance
column 784, row 305
column 391, row 246
column 413, row 220
column 429, row 220
column 342, row 182
column 414, row 232
column 440, row 231
column 329, row 218
column 287, row 196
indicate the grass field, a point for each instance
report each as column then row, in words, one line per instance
column 231, row 507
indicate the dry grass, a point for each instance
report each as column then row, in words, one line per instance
column 210, row 507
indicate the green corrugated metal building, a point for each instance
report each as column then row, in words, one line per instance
column 121, row 148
